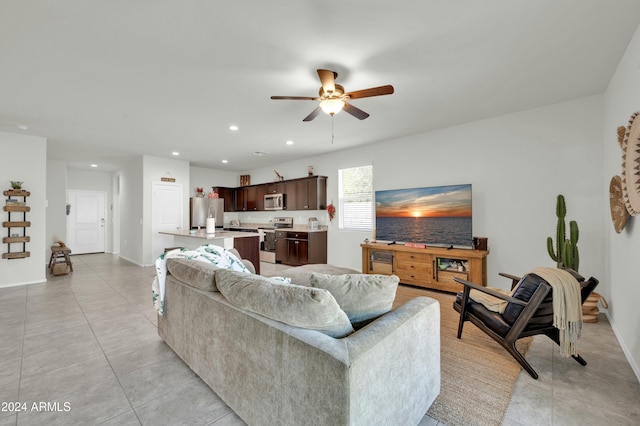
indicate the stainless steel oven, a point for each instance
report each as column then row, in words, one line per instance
column 269, row 242
column 267, row 245
column 268, row 238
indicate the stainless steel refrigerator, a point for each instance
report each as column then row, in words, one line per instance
column 202, row 208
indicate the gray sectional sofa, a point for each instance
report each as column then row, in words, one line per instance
column 273, row 373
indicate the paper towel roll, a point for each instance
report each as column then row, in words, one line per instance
column 211, row 225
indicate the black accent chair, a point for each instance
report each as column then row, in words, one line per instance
column 529, row 312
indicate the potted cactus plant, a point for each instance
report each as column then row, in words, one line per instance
column 566, row 254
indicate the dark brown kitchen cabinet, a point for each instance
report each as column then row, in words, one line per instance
column 261, row 190
column 291, row 192
column 250, row 198
column 300, row 248
column 241, row 199
column 311, row 193
column 308, row 193
column 249, row 248
column 317, row 247
column 274, row 188
column 297, row 248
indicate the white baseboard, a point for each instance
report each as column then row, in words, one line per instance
column 142, row 265
column 130, row 260
column 625, row 349
column 23, row 283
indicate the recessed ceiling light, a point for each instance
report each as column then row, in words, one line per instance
column 176, row 153
column 289, row 142
column 22, row 126
column 233, row 127
column 225, row 161
column 259, row 153
column 94, row 165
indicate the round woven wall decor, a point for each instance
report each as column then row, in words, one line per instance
column 631, row 166
column 619, row 214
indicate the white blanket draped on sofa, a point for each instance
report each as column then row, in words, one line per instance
column 215, row 255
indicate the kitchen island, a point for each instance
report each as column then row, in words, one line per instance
column 247, row 243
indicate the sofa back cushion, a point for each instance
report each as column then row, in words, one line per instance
column 363, row 297
column 195, row 273
column 299, row 306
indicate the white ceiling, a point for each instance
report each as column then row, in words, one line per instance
column 105, row 81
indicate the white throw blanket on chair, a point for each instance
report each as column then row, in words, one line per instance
column 567, row 307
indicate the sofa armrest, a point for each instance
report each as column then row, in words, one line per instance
column 395, row 364
column 415, row 310
column 249, row 265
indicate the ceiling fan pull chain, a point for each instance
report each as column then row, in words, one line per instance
column 332, row 128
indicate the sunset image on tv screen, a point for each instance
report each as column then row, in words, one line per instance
column 439, row 215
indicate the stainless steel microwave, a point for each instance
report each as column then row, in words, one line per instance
column 274, row 202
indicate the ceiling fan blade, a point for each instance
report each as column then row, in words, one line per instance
column 295, row 98
column 328, row 78
column 356, row 112
column 374, row 91
column 313, row 114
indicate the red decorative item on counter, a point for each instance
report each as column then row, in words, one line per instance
column 331, row 210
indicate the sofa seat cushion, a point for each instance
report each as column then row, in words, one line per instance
column 363, row 297
column 195, row 273
column 299, row 306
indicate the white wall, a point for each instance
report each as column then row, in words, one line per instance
column 90, row 180
column 155, row 168
column 24, row 158
column 56, row 201
column 621, row 286
column 129, row 194
column 517, row 165
column 206, row 178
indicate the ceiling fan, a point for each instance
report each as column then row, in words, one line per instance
column 333, row 98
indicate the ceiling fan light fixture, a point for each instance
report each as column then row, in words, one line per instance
column 332, row 106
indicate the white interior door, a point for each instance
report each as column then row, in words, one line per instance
column 167, row 214
column 86, row 221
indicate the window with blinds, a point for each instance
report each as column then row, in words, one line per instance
column 355, row 207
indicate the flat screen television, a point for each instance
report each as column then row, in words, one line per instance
column 436, row 215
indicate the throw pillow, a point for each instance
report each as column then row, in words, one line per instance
column 363, row 297
column 299, row 306
column 195, row 273
column 301, row 275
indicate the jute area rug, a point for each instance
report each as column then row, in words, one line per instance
column 477, row 374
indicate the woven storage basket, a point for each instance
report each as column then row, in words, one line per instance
column 590, row 309
column 61, row 269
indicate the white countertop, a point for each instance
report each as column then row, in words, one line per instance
column 201, row 234
column 295, row 228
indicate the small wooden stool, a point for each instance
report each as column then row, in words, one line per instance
column 60, row 262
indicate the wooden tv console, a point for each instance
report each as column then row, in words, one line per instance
column 430, row 267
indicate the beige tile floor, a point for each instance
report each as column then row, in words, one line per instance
column 84, row 348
